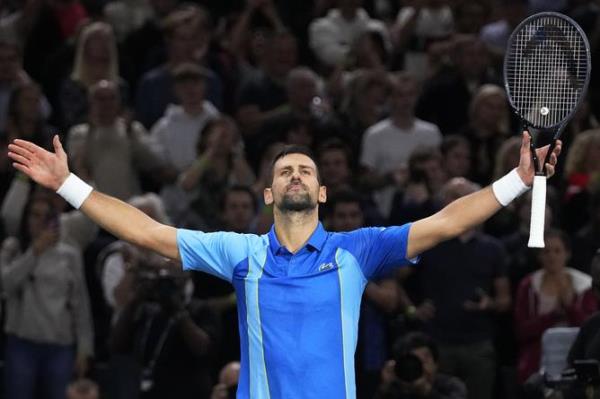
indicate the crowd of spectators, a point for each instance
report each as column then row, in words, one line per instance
column 178, row 107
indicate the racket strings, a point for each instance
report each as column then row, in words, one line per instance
column 546, row 70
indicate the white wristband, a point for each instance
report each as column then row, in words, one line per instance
column 74, row 190
column 509, row 187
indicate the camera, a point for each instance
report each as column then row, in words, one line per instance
column 585, row 371
column 161, row 287
column 408, row 368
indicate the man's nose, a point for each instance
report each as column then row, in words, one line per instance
column 296, row 176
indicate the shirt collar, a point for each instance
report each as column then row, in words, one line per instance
column 316, row 240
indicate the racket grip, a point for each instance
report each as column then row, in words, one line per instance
column 538, row 210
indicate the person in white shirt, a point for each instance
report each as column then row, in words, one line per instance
column 388, row 144
column 178, row 131
column 332, row 36
column 111, row 150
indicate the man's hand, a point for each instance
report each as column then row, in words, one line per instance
column 525, row 169
column 45, row 168
column 425, row 311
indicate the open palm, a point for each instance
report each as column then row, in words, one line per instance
column 44, row 167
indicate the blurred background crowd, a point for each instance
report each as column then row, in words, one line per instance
column 178, row 107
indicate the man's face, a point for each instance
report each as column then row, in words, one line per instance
column 473, row 59
column 282, row 56
column 458, row 161
column 301, row 91
column 190, row 93
column 295, row 185
column 334, row 167
column 347, row 216
column 238, row 211
column 404, row 95
column 105, row 105
column 188, row 42
column 29, row 101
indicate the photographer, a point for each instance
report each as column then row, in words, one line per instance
column 587, row 343
column 169, row 334
column 412, row 374
column 586, row 347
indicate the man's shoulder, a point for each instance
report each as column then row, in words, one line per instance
column 422, row 126
column 381, row 128
column 372, row 234
column 65, row 248
column 328, row 22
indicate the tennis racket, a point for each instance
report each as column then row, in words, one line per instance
column 546, row 73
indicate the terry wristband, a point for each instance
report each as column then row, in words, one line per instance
column 509, row 187
column 74, row 190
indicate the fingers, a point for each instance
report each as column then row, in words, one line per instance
column 558, row 148
column 58, row 148
column 526, row 138
column 18, row 158
column 13, row 148
column 28, row 145
column 22, row 168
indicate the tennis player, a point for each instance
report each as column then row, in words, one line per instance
column 298, row 287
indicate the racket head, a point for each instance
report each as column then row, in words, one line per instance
column 546, row 70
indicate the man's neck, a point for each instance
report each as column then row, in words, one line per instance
column 193, row 110
column 403, row 121
column 348, row 14
column 293, row 229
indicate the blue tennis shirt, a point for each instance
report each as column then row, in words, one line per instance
column 298, row 313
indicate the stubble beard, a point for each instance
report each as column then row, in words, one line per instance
column 299, row 202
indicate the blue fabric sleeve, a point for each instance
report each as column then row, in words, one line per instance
column 379, row 249
column 214, row 253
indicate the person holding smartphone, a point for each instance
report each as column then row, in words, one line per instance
column 49, row 334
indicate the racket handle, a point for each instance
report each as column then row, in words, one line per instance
column 538, row 210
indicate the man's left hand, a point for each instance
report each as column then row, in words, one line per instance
column 526, row 168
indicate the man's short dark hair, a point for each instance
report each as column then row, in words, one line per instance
column 184, row 14
column 189, row 72
column 332, row 144
column 343, row 196
column 238, row 188
column 294, row 149
column 452, row 141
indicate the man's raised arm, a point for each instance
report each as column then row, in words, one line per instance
column 121, row 219
column 471, row 210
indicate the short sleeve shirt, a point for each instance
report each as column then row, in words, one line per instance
column 298, row 311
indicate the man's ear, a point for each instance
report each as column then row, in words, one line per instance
column 268, row 196
column 322, row 194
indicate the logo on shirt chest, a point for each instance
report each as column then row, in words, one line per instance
column 326, row 266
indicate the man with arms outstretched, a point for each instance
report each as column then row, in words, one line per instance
column 298, row 287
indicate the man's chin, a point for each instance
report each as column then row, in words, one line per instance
column 296, row 205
